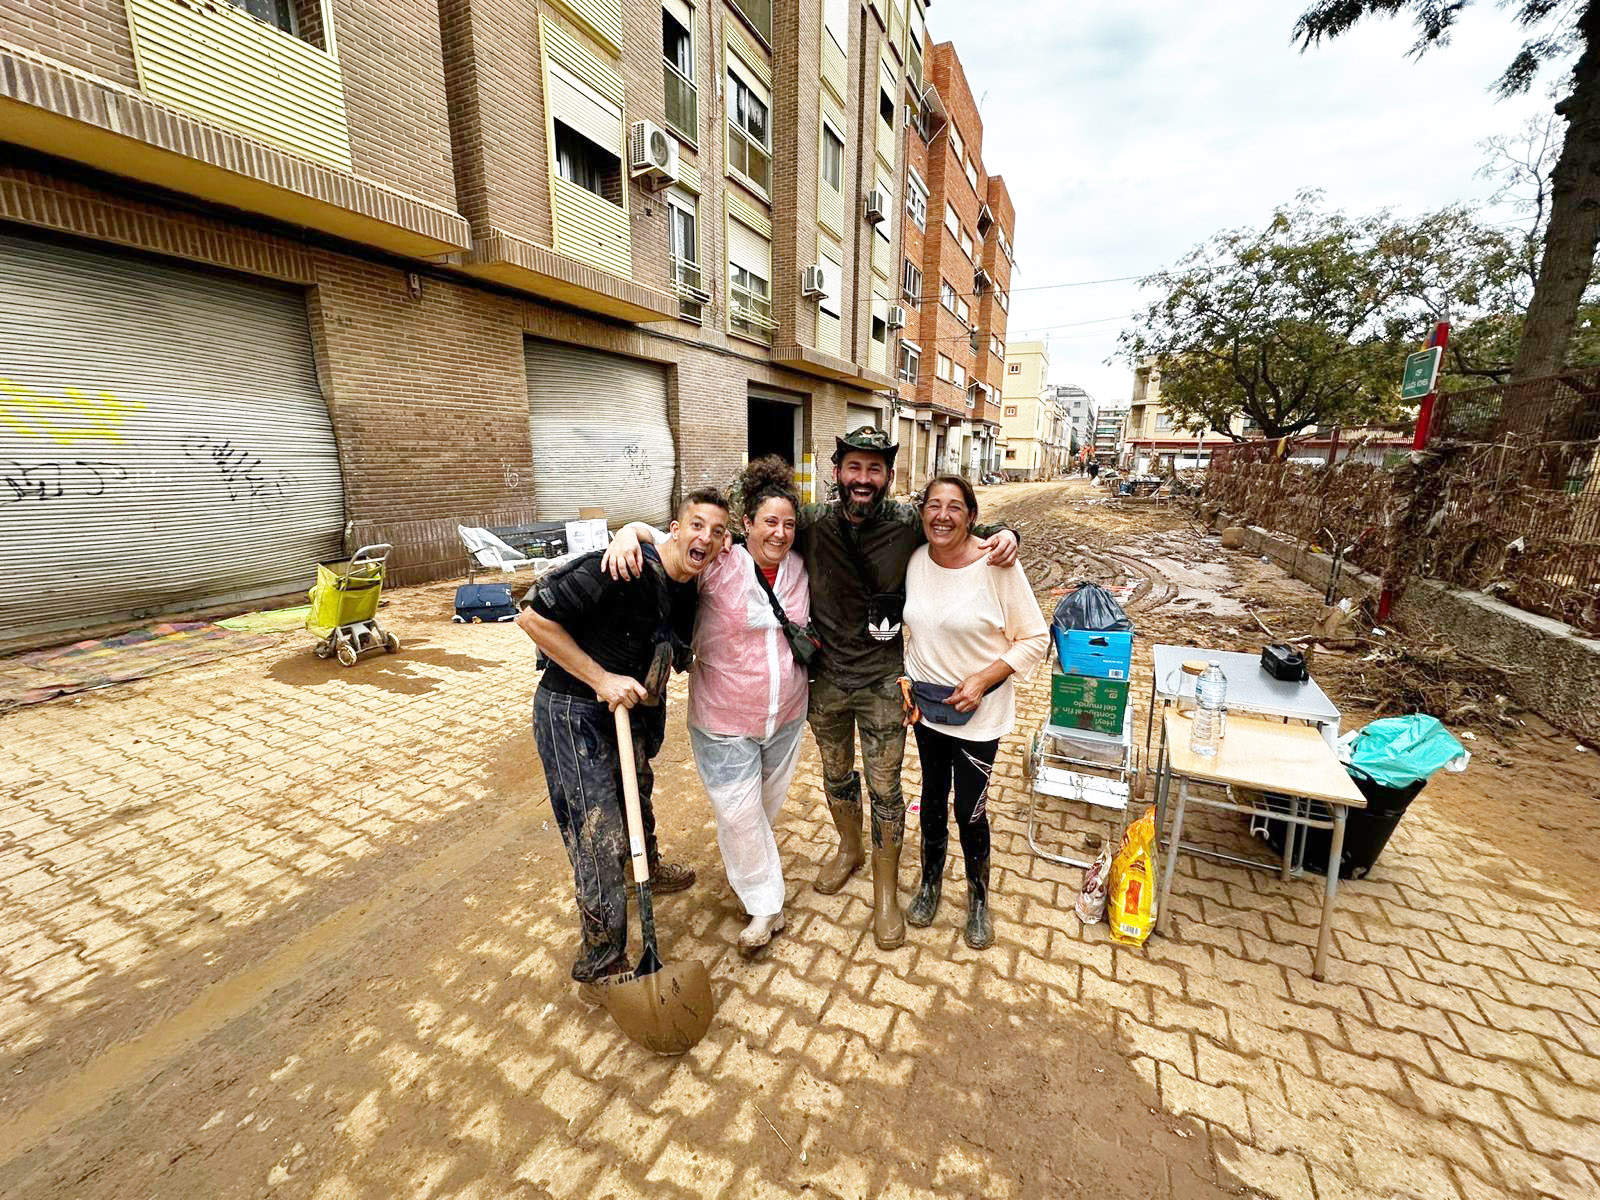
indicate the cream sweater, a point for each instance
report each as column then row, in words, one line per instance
column 961, row 620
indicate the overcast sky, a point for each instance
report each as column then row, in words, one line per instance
column 1129, row 131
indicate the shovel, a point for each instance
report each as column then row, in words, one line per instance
column 664, row 1009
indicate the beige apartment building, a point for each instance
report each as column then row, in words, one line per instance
column 299, row 275
column 1037, row 437
column 1152, row 436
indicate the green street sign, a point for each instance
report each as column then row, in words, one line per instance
column 1422, row 370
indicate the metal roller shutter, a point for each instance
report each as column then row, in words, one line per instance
column 600, row 434
column 577, row 104
column 749, row 249
column 163, row 440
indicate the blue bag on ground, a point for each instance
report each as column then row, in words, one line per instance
column 1089, row 606
column 1400, row 751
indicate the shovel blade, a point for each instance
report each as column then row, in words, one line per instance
column 667, row 1011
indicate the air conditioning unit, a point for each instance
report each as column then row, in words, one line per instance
column 877, row 206
column 652, row 154
column 813, row 282
column 896, row 318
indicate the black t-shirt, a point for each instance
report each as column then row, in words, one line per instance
column 615, row 622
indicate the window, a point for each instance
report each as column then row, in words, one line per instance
column 1002, row 300
column 1011, row 410
column 912, row 282
column 956, row 143
column 966, row 243
column 752, row 307
column 947, row 295
column 1014, row 368
column 972, row 175
column 759, row 14
column 277, row 13
column 996, row 346
column 833, row 282
column 941, row 369
column 910, row 358
column 880, row 327
column 917, row 199
column 677, row 51
column 960, row 379
column 836, row 20
column 580, row 161
column 951, row 221
column 683, row 245
column 749, row 132
column 885, row 227
column 886, row 108
column 832, row 158
column 962, row 310
column 1163, row 420
column 1010, row 454
column 974, row 395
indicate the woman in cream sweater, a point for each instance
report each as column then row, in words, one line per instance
column 969, row 628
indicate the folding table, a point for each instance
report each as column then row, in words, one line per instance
column 1256, row 757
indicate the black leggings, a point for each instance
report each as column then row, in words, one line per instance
column 947, row 759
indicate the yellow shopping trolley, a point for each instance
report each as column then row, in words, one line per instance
column 344, row 606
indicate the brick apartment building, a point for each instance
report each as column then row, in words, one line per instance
column 282, row 277
column 955, row 280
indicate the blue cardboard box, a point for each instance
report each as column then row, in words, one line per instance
column 1093, row 652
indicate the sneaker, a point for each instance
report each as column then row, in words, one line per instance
column 759, row 932
column 670, row 877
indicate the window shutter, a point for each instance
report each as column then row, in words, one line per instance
column 748, row 249
column 575, row 104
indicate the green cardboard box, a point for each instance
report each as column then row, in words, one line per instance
column 1088, row 702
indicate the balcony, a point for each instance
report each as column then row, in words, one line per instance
column 683, row 103
column 74, row 116
column 750, row 315
column 689, row 285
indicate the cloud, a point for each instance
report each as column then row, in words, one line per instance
column 1129, row 132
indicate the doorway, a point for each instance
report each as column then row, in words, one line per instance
column 773, row 427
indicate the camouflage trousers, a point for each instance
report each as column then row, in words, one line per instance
column 836, row 714
column 577, row 742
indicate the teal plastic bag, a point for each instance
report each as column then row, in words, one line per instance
column 1398, row 751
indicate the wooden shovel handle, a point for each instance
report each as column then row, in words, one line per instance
column 630, row 796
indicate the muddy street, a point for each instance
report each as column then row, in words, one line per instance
column 272, row 927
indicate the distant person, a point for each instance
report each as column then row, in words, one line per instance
column 970, row 626
column 1094, row 469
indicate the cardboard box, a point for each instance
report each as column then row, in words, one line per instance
column 1088, row 702
column 1095, row 652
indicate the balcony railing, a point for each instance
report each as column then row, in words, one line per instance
column 689, row 285
column 683, row 103
column 750, row 314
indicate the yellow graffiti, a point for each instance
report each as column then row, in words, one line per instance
column 87, row 417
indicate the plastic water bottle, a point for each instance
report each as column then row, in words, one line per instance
column 1210, row 711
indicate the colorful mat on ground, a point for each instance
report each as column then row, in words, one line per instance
column 41, row 675
column 272, row 620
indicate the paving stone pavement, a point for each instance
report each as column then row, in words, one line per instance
column 271, row 926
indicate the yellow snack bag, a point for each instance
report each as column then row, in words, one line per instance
column 1131, row 905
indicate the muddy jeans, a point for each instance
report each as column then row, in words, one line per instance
column 577, row 742
column 835, row 714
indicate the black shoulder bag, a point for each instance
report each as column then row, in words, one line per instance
column 803, row 641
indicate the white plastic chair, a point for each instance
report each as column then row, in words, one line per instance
column 486, row 552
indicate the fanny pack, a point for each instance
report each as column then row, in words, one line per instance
column 931, row 698
column 803, row 641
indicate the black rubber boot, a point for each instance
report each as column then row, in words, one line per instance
column 926, row 903
column 980, row 925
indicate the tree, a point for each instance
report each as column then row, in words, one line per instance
column 1308, row 320
column 1557, row 30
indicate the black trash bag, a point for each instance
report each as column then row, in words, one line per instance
column 1089, row 606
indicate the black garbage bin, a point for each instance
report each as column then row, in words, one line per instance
column 1366, row 831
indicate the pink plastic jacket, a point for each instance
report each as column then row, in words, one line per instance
column 745, row 680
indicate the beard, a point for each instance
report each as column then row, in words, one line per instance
column 863, row 507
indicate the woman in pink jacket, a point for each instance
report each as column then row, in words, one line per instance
column 747, row 694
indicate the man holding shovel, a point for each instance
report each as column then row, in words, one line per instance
column 601, row 637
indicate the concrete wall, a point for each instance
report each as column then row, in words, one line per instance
column 1562, row 679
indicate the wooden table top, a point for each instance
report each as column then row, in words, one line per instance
column 1267, row 756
